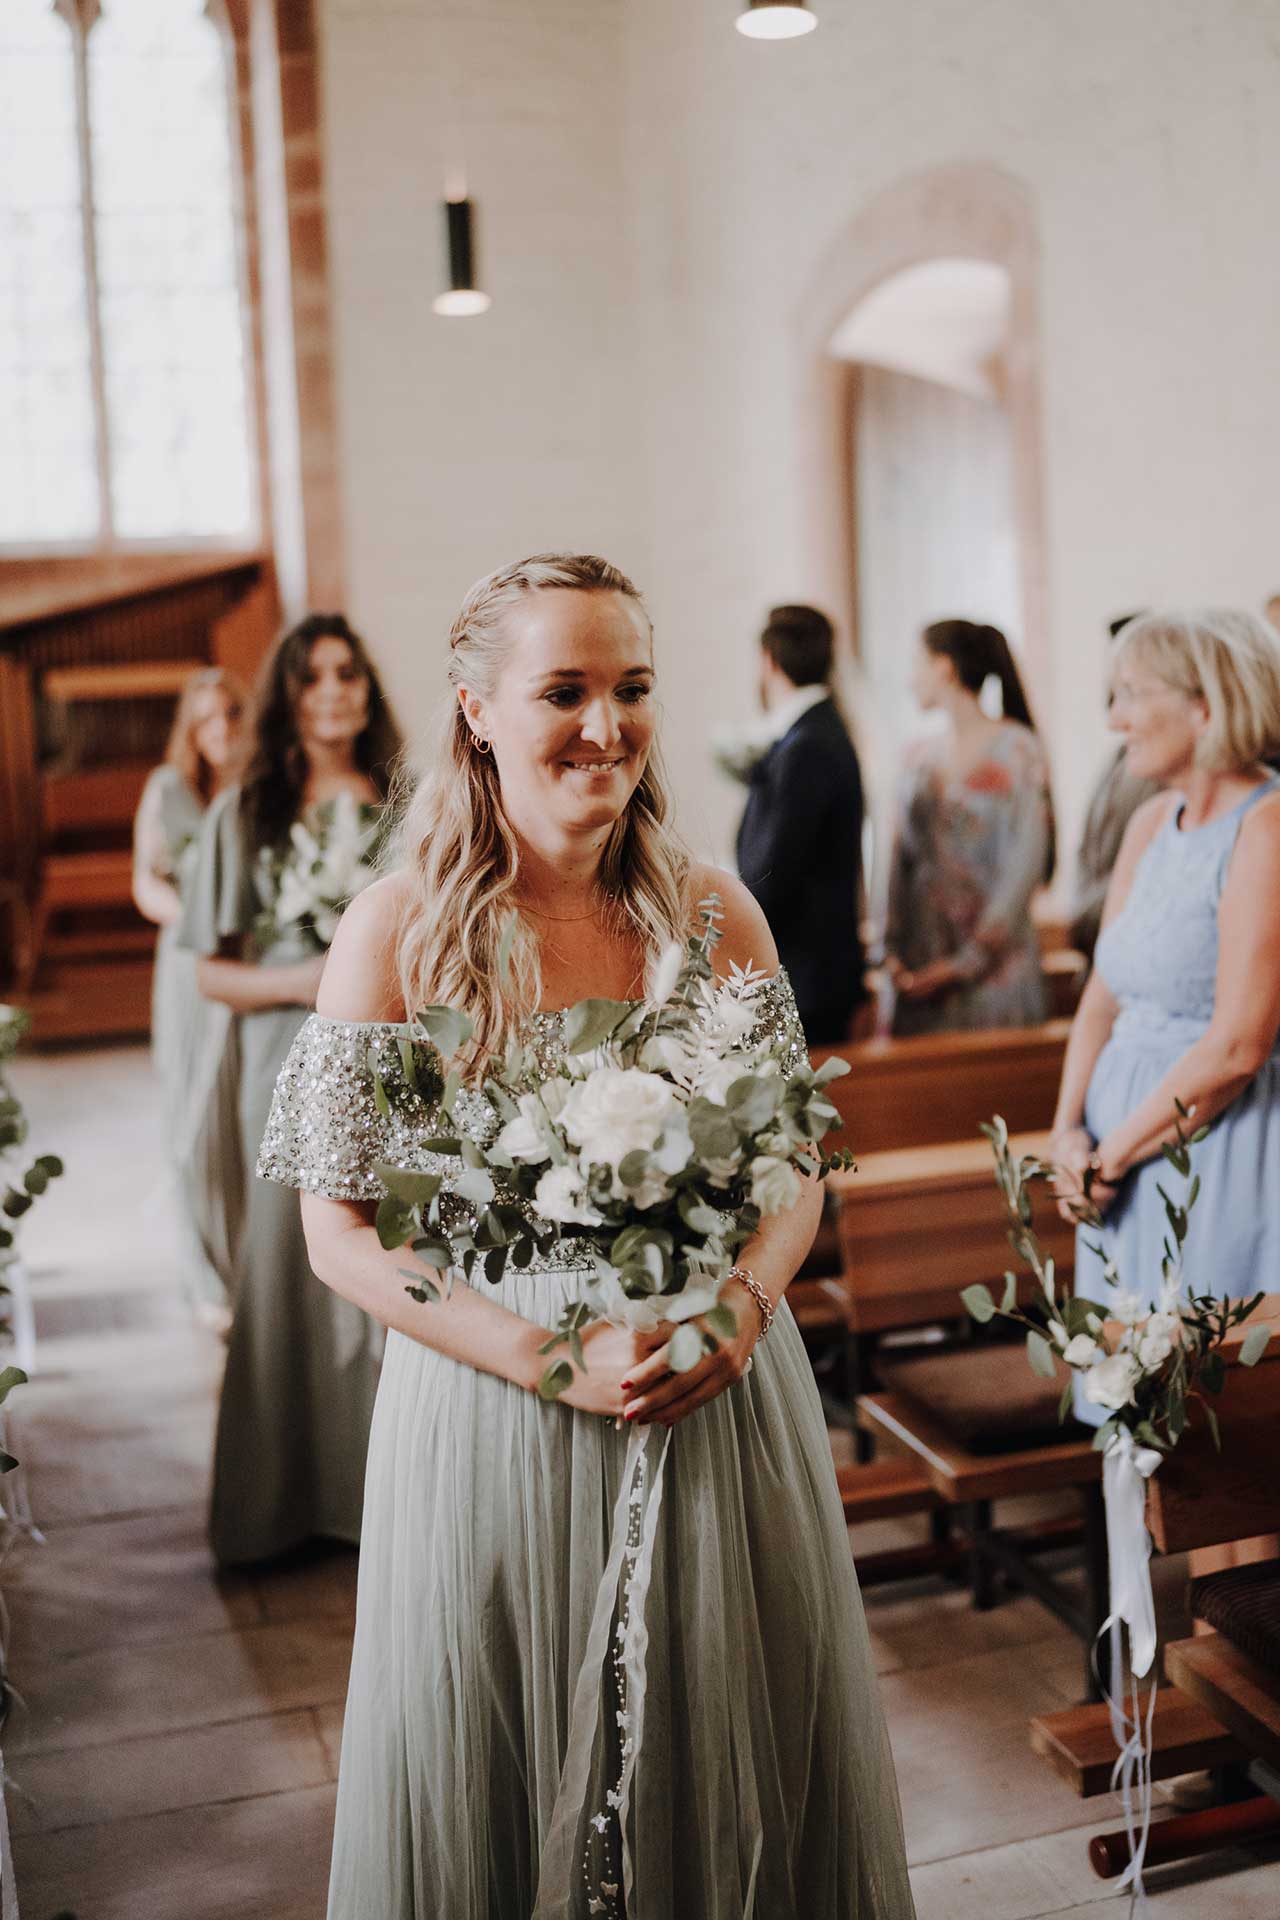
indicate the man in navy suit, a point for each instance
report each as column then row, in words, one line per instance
column 800, row 841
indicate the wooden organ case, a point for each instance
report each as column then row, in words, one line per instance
column 91, row 662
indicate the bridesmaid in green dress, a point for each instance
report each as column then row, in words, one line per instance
column 278, row 857
column 189, row 1034
column 482, row 1740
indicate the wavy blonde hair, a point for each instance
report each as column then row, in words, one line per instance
column 463, row 852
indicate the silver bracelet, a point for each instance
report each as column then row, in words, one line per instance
column 764, row 1305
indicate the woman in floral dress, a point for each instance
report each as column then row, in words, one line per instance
column 973, row 842
column 278, row 856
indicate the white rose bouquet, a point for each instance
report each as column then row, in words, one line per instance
column 671, row 1131
column 325, row 865
column 1143, row 1364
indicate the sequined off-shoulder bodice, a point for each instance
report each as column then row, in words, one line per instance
column 327, row 1131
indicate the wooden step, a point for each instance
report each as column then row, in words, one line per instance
column 1079, row 1744
column 884, row 1488
column 98, row 879
column 92, row 1000
column 1243, row 1696
column 99, row 943
column 119, row 680
column 92, row 797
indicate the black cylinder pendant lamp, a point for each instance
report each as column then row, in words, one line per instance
column 776, row 19
column 462, row 298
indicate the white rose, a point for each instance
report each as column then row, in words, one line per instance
column 559, row 1196
column 1111, row 1382
column 1158, row 1339
column 1127, row 1306
column 525, row 1137
column 615, row 1110
column 775, row 1185
column 1081, row 1351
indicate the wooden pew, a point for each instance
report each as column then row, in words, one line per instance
column 931, row 1089
column 915, row 1227
column 1220, row 1709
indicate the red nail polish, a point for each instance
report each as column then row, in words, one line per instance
column 631, row 1413
column 626, row 1386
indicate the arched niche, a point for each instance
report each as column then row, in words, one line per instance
column 965, row 211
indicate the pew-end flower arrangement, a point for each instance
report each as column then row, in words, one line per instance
column 22, row 1182
column 671, row 1130
column 1146, row 1366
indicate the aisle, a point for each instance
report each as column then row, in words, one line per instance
column 175, row 1755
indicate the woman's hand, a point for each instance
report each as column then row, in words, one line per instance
column 613, row 1355
column 655, row 1394
column 1074, row 1157
column 925, row 983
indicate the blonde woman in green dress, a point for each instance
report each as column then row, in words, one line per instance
column 279, row 854
column 481, row 1735
column 190, row 1036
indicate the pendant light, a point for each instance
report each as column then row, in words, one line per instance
column 462, row 298
column 776, row 19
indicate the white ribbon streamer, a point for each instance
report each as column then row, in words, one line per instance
column 1126, row 1468
column 620, row 1598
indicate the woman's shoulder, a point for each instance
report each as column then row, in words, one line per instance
column 1019, row 745
column 1145, row 823
column 361, row 976
column 745, row 938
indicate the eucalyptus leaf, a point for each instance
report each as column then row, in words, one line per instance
column 722, row 1322
column 7, row 1462
column 395, row 1221
column 557, row 1377
column 415, row 1189
column 445, row 1028
column 712, row 1130
column 495, row 1264
column 10, row 1377
column 592, row 1022
column 979, row 1304
column 753, row 1100
column 35, row 1180
column 1010, row 1297
column 1040, row 1354
column 1254, row 1344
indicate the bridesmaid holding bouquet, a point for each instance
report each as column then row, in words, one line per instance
column 190, row 1035
column 279, row 855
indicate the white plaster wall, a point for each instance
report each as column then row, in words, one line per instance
column 465, row 444
column 657, row 196
column 1148, row 135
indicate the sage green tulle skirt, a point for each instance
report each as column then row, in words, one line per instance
column 484, row 1743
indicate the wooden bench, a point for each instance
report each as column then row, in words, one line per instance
column 1220, row 1710
column 935, row 1088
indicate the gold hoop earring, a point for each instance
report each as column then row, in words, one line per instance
column 481, row 746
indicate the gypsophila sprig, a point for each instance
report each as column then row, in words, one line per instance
column 670, row 1132
column 1143, row 1364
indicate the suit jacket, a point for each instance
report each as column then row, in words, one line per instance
column 799, row 852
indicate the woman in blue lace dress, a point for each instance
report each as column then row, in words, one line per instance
column 1184, row 999
column 278, row 855
column 763, row 1784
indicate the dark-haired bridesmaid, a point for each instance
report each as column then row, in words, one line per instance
column 973, row 841
column 279, row 856
column 189, row 1035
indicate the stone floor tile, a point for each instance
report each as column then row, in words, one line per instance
column 125, row 1693
column 267, row 1858
column 200, row 1766
column 117, row 1583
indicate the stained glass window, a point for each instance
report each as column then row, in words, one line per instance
column 137, row 99
column 48, row 461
